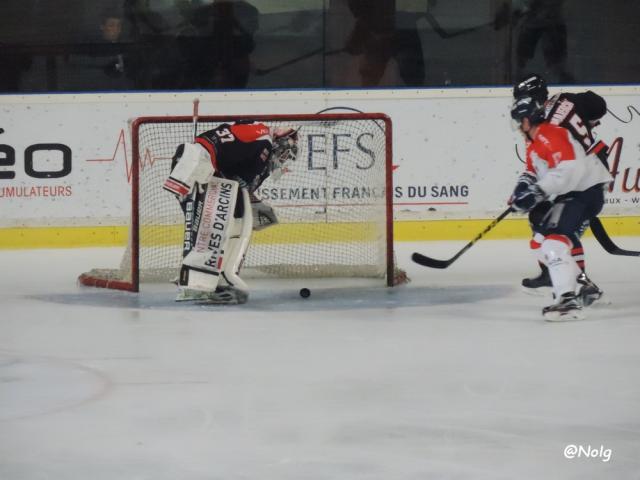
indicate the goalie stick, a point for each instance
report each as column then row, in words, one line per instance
column 605, row 241
column 433, row 263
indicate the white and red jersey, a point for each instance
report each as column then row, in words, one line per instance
column 560, row 163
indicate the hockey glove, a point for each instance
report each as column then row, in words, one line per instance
column 528, row 199
column 263, row 215
column 525, row 180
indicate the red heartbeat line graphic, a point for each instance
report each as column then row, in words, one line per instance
column 146, row 160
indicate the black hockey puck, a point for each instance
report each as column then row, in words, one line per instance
column 305, row 292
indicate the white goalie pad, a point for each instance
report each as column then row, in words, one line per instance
column 202, row 266
column 239, row 238
column 193, row 166
column 219, row 249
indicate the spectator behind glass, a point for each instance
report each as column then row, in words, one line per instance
column 111, row 28
column 159, row 65
column 220, row 55
column 377, row 39
column 539, row 22
column 107, row 65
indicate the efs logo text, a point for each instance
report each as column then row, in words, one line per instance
column 325, row 150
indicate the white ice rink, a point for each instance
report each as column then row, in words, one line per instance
column 454, row 376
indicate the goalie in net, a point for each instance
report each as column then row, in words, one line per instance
column 214, row 179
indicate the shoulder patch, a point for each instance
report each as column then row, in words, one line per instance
column 250, row 132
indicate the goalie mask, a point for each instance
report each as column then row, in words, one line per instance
column 285, row 150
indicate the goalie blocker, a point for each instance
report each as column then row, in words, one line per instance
column 218, row 225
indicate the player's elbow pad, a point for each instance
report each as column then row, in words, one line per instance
column 193, row 166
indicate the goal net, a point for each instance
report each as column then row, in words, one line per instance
column 334, row 203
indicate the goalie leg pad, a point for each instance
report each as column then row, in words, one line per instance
column 203, row 261
column 239, row 238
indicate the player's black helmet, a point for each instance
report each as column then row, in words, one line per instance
column 531, row 86
column 528, row 107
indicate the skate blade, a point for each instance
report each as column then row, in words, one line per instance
column 571, row 316
column 602, row 301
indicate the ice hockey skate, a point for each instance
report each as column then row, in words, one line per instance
column 224, row 295
column 567, row 308
column 589, row 293
column 537, row 285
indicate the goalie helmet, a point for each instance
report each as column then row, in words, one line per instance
column 532, row 86
column 528, row 107
column 285, row 150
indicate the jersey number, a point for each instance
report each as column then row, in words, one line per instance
column 225, row 135
column 581, row 130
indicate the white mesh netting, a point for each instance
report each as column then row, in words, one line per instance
column 331, row 203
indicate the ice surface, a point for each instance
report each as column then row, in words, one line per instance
column 453, row 376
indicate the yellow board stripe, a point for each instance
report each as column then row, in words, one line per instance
column 404, row 231
column 157, row 236
column 62, row 237
column 508, row 228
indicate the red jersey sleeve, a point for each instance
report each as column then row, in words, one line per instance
column 552, row 145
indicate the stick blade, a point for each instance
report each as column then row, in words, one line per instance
column 429, row 262
column 605, row 240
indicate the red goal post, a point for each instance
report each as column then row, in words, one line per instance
column 334, row 203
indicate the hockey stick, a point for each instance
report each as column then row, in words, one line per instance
column 433, row 263
column 444, row 34
column 605, row 241
column 318, row 51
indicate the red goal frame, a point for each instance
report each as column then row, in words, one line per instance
column 88, row 279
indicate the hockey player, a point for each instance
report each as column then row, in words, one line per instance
column 579, row 113
column 214, row 179
column 558, row 169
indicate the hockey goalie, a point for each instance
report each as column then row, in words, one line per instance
column 214, row 179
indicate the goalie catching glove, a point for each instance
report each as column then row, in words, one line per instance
column 263, row 214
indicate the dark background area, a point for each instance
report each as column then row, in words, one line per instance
column 178, row 45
